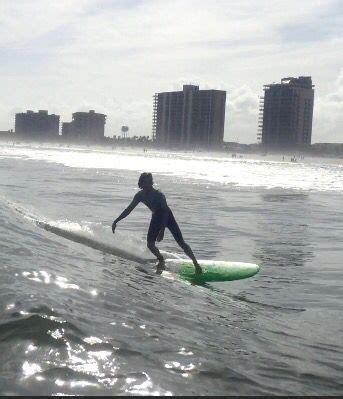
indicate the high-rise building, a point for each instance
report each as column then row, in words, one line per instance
column 189, row 117
column 37, row 124
column 85, row 125
column 286, row 113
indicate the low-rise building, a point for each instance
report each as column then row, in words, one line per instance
column 37, row 124
column 85, row 125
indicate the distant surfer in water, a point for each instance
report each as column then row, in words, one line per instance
column 162, row 217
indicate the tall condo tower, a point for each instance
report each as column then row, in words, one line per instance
column 286, row 113
column 189, row 117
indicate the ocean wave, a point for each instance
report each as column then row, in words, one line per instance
column 93, row 235
column 237, row 173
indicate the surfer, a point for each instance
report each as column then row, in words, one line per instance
column 162, row 217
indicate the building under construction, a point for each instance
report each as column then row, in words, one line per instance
column 88, row 126
column 286, row 113
column 37, row 125
column 189, row 117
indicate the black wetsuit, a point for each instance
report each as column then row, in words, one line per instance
column 156, row 202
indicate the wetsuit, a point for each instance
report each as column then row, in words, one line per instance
column 156, row 202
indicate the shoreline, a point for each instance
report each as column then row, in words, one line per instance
column 238, row 154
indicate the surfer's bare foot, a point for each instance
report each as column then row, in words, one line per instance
column 198, row 269
column 160, row 266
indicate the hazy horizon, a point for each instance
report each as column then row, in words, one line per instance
column 112, row 56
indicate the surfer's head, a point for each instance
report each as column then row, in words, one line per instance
column 145, row 180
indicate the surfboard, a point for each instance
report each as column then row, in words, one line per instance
column 213, row 271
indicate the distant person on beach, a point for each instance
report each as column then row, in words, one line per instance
column 162, row 217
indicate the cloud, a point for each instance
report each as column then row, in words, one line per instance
column 112, row 56
column 242, row 114
column 328, row 115
column 22, row 21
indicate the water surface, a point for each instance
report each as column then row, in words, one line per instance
column 75, row 320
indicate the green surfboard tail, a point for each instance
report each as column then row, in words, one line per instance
column 213, row 271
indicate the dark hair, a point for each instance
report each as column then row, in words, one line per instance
column 147, row 177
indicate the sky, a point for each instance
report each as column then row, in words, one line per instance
column 113, row 55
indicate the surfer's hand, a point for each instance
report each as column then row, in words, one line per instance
column 114, row 225
column 160, row 235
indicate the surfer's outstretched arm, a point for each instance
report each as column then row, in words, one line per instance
column 125, row 213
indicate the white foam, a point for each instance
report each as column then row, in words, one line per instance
column 212, row 168
column 93, row 235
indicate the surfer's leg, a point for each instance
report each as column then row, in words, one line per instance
column 154, row 229
column 176, row 232
column 151, row 245
column 161, row 264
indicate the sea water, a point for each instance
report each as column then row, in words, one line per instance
column 79, row 321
